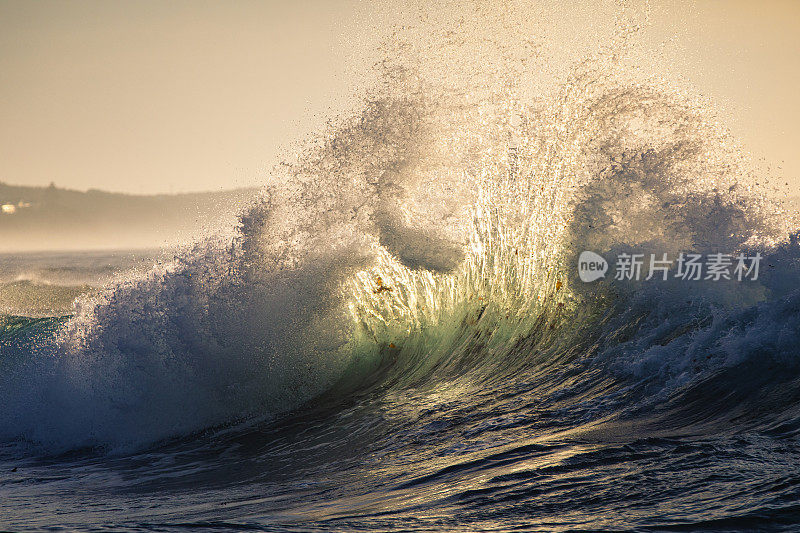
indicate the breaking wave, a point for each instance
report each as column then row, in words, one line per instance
column 429, row 241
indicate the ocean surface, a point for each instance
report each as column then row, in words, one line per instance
column 42, row 284
column 395, row 336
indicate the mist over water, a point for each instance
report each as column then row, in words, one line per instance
column 394, row 334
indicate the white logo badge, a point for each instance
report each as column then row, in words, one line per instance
column 591, row 266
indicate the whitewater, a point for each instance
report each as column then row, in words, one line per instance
column 395, row 337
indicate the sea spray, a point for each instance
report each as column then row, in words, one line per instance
column 468, row 198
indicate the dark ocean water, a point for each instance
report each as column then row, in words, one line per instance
column 550, row 437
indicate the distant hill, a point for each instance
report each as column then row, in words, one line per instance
column 50, row 218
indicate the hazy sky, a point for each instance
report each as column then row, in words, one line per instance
column 155, row 96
